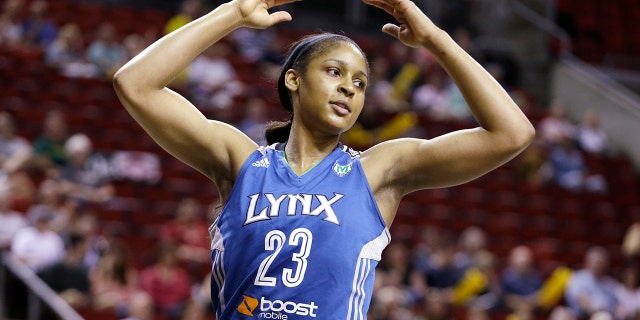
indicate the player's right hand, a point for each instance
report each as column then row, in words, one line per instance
column 255, row 14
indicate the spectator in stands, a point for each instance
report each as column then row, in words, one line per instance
column 591, row 137
column 115, row 285
column 212, row 78
column 530, row 165
column 15, row 150
column 135, row 166
column 50, row 198
column 38, row 246
column 37, row 29
column 199, row 306
column 400, row 273
column 67, row 54
column 567, row 168
column 400, row 58
column 441, row 270
column 630, row 247
column 406, row 75
column 480, row 287
column 105, row 51
column 372, row 127
column 458, row 108
column 379, row 85
column 189, row 10
column 251, row 43
column 49, row 154
column 437, row 306
column 562, row 313
column 167, row 283
column 628, row 295
column 391, row 302
column 85, row 179
column 23, row 191
column 465, row 39
column 70, row 277
column 556, row 126
column 395, row 264
column 86, row 225
column 521, row 283
column 426, row 243
column 255, row 121
column 430, row 97
column 190, row 232
column 273, row 53
column 10, row 221
column 11, row 24
column 133, row 44
column 472, row 240
column 590, row 290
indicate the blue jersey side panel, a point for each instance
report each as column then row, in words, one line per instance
column 297, row 247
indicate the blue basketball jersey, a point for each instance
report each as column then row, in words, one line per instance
column 297, row 247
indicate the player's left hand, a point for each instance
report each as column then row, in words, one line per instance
column 415, row 29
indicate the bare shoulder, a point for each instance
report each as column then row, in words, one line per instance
column 230, row 141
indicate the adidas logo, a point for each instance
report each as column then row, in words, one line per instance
column 264, row 162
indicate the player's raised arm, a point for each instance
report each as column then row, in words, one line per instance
column 457, row 157
column 214, row 148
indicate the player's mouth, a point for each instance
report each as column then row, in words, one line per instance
column 341, row 107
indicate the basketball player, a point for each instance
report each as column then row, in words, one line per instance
column 305, row 219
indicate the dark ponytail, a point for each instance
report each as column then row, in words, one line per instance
column 277, row 131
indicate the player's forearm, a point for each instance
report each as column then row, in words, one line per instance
column 491, row 105
column 160, row 63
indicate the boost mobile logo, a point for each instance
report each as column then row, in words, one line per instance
column 248, row 305
column 276, row 309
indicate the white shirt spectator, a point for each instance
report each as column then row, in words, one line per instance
column 591, row 137
column 136, row 166
column 628, row 302
column 213, row 78
column 432, row 99
column 556, row 125
column 38, row 247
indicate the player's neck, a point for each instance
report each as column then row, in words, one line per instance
column 304, row 154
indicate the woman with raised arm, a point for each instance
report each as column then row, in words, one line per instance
column 305, row 219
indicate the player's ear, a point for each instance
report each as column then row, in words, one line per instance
column 292, row 80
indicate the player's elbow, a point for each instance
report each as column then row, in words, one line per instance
column 528, row 134
column 122, row 81
column 127, row 85
column 521, row 138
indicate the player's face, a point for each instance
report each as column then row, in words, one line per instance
column 332, row 90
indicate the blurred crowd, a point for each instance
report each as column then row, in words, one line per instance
column 441, row 275
column 52, row 186
column 50, row 192
column 567, row 154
